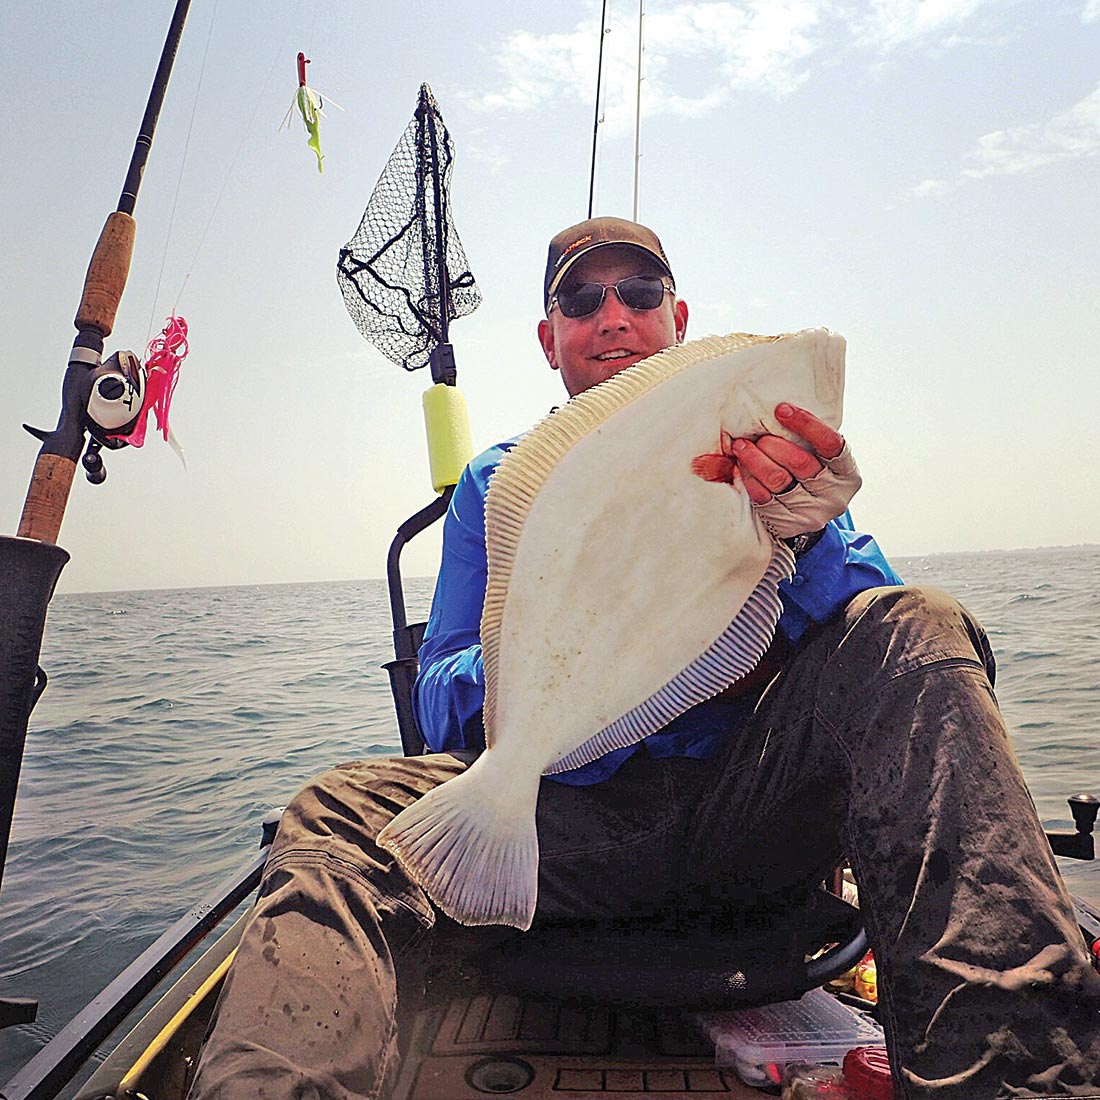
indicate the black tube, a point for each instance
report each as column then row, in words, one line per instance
column 128, row 198
column 412, row 527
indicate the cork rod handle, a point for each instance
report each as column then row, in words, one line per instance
column 107, row 273
column 47, row 496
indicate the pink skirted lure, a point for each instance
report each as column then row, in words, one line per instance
column 149, row 386
column 163, row 358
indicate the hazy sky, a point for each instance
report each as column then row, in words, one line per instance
column 920, row 177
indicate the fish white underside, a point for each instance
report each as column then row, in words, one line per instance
column 622, row 590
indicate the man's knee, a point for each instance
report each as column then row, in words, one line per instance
column 353, row 802
column 909, row 626
column 902, row 600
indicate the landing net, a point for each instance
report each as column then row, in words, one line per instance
column 404, row 275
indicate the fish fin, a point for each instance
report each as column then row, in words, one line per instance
column 713, row 468
column 735, row 653
column 471, row 844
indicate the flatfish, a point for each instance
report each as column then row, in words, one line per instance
column 622, row 590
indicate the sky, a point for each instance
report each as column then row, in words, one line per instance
column 919, row 177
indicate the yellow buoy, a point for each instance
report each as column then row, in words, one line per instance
column 448, row 428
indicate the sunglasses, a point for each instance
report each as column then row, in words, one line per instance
column 640, row 292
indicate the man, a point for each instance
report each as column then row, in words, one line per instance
column 878, row 726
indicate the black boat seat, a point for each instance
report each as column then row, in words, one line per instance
column 751, row 960
column 683, row 966
column 402, row 670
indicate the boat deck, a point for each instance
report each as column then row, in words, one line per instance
column 500, row 1044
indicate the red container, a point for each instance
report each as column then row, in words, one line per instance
column 867, row 1074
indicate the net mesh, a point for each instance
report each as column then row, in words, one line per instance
column 398, row 294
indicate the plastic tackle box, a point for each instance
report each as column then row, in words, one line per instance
column 815, row 1028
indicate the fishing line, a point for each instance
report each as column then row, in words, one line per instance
column 312, row 28
column 276, row 59
column 183, row 164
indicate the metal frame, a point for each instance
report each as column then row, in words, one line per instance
column 406, row 639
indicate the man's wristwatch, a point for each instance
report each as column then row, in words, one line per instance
column 801, row 543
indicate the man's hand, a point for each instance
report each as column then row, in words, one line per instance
column 793, row 490
column 772, row 465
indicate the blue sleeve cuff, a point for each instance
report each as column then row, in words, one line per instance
column 842, row 563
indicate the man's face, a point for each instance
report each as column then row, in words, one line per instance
column 591, row 349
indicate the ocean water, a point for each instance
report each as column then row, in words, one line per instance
column 175, row 719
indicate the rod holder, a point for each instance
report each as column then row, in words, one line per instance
column 1079, row 844
column 28, row 575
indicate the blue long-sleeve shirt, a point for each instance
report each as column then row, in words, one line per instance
column 450, row 689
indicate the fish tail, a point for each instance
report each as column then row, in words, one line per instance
column 471, row 844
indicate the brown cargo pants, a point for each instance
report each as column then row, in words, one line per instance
column 880, row 740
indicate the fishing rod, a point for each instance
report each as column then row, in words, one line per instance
column 638, row 108
column 31, row 562
column 596, row 121
column 104, row 283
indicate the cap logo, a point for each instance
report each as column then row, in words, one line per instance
column 575, row 244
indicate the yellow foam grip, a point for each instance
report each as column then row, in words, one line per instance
column 448, row 428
